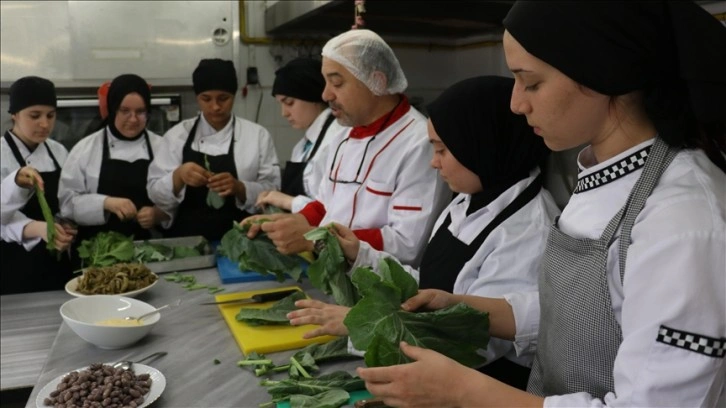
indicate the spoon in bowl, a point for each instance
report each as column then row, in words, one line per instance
column 145, row 315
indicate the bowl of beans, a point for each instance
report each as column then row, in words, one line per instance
column 100, row 320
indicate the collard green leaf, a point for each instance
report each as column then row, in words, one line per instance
column 328, row 272
column 274, row 315
column 47, row 217
column 214, row 200
column 377, row 323
column 393, row 272
column 258, row 254
column 185, row 252
column 327, row 399
column 333, row 350
column 281, row 390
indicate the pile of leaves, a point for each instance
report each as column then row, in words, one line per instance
column 258, row 254
column 106, row 249
column 377, row 324
column 301, row 389
column 302, row 363
column 154, row 252
column 329, row 271
column 274, row 315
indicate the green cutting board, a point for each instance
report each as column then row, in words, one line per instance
column 355, row 396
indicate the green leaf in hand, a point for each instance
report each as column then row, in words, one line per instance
column 47, row 217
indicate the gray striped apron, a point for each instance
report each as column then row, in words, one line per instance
column 579, row 336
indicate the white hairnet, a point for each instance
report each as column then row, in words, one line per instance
column 363, row 52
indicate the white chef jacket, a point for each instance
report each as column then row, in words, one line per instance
column 508, row 260
column 13, row 198
column 675, row 276
column 254, row 157
column 401, row 193
column 314, row 170
column 77, row 192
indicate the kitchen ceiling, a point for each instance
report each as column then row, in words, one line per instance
column 432, row 21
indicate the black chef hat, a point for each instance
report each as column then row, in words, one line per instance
column 300, row 78
column 123, row 85
column 473, row 119
column 616, row 47
column 29, row 91
column 215, row 74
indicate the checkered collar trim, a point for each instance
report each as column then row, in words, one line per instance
column 613, row 172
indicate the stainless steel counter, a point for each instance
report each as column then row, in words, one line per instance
column 194, row 336
column 28, row 324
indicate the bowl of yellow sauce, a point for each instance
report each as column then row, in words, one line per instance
column 99, row 320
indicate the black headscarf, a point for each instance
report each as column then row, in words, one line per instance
column 473, row 119
column 30, row 91
column 674, row 51
column 121, row 86
column 300, row 78
column 215, row 75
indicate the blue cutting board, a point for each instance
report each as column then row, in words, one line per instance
column 229, row 272
column 355, row 396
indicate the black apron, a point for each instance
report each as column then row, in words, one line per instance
column 36, row 270
column 292, row 177
column 445, row 256
column 119, row 178
column 194, row 216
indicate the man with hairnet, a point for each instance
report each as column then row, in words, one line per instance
column 377, row 180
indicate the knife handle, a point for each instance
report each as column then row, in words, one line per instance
column 269, row 297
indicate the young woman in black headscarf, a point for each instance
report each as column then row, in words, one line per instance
column 29, row 157
column 298, row 87
column 489, row 240
column 631, row 307
column 103, row 183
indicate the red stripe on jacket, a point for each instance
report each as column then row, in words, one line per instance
column 406, row 207
column 381, row 193
column 371, row 236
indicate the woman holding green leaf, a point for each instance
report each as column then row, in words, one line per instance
column 211, row 168
column 31, row 166
column 490, row 238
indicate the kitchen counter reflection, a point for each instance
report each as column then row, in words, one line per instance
column 194, row 336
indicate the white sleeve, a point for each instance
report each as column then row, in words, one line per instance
column 371, row 257
column 75, row 197
column 13, row 221
column 299, row 202
column 268, row 171
column 160, row 182
column 525, row 306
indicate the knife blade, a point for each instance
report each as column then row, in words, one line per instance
column 258, row 298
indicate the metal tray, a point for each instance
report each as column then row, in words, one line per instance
column 193, row 262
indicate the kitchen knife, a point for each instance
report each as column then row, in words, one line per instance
column 258, row 298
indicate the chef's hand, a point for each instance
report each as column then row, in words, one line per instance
column 225, row 184
column 349, row 243
column 255, row 220
column 150, row 216
column 429, row 299
column 431, row 380
column 276, row 198
column 122, row 207
column 27, row 176
column 190, row 174
column 287, row 233
column 64, row 236
column 328, row 317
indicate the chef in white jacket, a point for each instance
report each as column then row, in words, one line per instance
column 377, row 178
column 298, row 87
column 631, row 305
column 27, row 156
column 215, row 151
column 490, row 239
column 103, row 183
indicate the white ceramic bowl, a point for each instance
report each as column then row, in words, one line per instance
column 83, row 315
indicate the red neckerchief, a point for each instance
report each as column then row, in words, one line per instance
column 380, row 124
